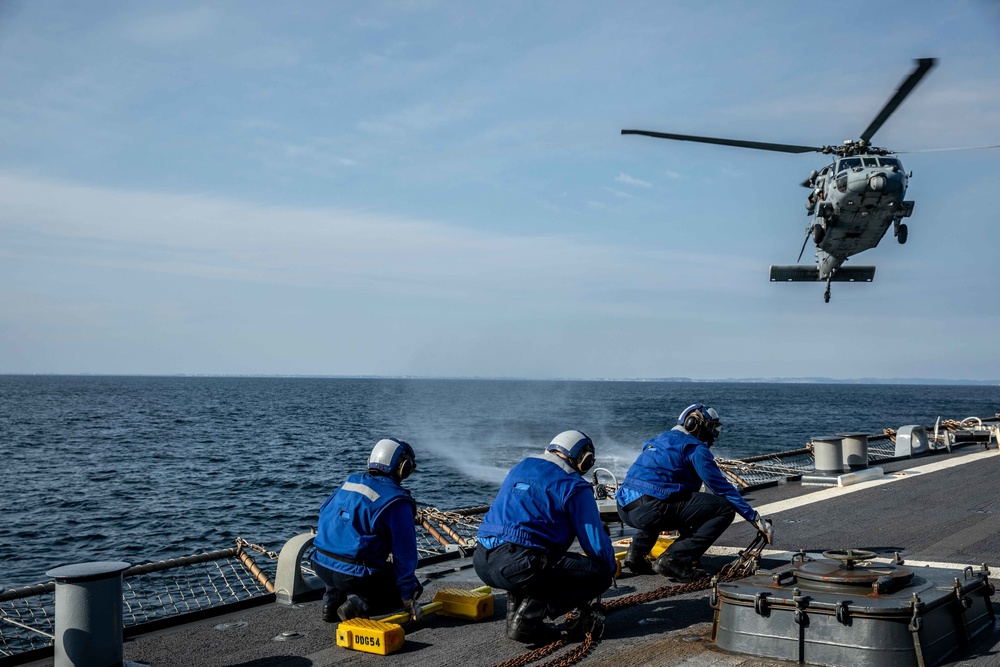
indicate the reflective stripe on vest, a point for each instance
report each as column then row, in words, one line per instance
column 348, row 522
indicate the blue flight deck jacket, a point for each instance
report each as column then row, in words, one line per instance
column 544, row 504
column 365, row 520
column 675, row 461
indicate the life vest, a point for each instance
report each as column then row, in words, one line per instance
column 530, row 508
column 348, row 524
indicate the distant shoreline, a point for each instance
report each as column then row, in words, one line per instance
column 774, row 380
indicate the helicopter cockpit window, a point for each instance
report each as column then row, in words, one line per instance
column 848, row 163
column 870, row 161
column 890, row 162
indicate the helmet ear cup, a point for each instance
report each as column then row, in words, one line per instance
column 694, row 419
column 405, row 467
column 585, row 461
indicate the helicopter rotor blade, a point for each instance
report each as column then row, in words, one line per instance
column 759, row 145
column 923, row 66
column 803, row 247
column 942, row 150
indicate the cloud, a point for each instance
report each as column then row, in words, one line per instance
column 173, row 27
column 315, row 156
column 629, row 180
column 218, row 239
column 420, row 118
column 257, row 124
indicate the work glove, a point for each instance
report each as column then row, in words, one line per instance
column 764, row 526
column 416, row 611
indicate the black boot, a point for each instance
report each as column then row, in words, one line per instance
column 513, row 602
column 681, row 571
column 589, row 618
column 331, row 601
column 355, row 607
column 635, row 560
column 528, row 625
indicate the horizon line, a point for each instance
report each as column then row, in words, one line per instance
column 500, row 378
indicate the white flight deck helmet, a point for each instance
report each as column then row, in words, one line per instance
column 393, row 456
column 702, row 422
column 577, row 447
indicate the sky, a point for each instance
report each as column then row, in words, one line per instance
column 441, row 188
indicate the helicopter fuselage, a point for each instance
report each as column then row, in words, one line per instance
column 853, row 203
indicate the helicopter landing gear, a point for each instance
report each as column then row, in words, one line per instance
column 826, row 294
column 901, row 234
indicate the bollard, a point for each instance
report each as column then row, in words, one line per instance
column 89, row 614
column 828, row 453
column 855, row 451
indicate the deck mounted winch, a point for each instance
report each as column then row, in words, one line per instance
column 843, row 610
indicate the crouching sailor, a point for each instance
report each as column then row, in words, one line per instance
column 361, row 524
column 543, row 504
column 661, row 492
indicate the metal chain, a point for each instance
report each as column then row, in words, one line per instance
column 273, row 555
column 531, row 656
column 442, row 516
column 747, row 563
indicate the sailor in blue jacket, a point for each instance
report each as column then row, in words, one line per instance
column 661, row 492
column 523, row 541
column 364, row 521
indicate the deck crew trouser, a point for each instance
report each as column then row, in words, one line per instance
column 700, row 518
column 378, row 591
column 563, row 584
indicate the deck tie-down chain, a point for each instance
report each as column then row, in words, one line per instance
column 747, row 563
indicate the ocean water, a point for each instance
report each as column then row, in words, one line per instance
column 143, row 468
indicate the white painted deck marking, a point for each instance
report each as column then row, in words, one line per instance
column 835, row 491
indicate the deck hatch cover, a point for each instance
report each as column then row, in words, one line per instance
column 873, row 615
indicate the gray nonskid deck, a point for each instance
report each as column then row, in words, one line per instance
column 946, row 516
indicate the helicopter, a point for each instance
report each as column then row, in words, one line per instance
column 852, row 201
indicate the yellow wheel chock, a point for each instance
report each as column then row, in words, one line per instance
column 662, row 542
column 386, row 635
